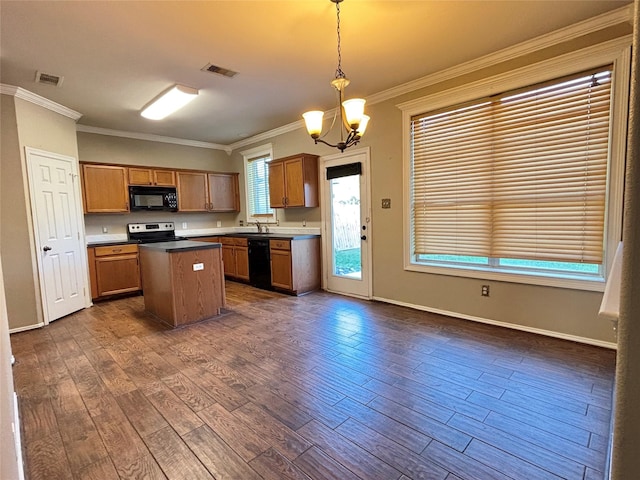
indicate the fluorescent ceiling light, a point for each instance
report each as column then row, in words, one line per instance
column 170, row 101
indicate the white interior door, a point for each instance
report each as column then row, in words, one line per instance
column 346, row 223
column 57, row 215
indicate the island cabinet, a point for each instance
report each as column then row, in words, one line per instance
column 113, row 270
column 293, row 181
column 105, row 189
column 183, row 281
column 152, row 176
column 295, row 265
column 235, row 256
column 208, row 192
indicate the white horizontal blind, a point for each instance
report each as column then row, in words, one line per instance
column 519, row 175
column 258, row 186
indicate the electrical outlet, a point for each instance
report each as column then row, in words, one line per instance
column 485, row 290
column 184, row 225
column 386, row 203
column 105, row 229
column 218, row 223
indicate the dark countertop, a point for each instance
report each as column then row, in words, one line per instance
column 108, row 243
column 268, row 236
column 180, row 246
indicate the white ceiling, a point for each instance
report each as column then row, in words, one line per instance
column 115, row 56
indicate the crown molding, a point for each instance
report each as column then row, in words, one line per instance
column 290, row 127
column 595, row 24
column 36, row 99
column 153, row 138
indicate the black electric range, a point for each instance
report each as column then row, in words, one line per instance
column 152, row 232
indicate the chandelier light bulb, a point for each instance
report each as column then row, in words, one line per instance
column 354, row 110
column 313, row 121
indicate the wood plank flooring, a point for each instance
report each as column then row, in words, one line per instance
column 316, row 387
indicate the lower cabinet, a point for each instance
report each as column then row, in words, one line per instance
column 114, row 270
column 235, row 256
column 295, row 265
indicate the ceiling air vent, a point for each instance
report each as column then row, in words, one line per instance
column 48, row 79
column 219, row 70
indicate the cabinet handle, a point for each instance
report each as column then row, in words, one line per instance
column 284, row 201
column 116, row 250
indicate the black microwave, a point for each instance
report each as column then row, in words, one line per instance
column 153, row 199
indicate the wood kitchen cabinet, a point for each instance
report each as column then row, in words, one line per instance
column 105, row 189
column 224, row 195
column 293, row 181
column 208, row 192
column 295, row 265
column 113, row 270
column 152, row 176
column 235, row 256
column 192, row 191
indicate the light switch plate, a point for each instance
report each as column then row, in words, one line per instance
column 198, row 266
column 386, row 203
column 218, row 224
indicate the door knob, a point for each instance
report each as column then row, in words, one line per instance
column 363, row 237
column 46, row 248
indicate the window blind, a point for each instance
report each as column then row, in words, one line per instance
column 518, row 175
column 258, row 186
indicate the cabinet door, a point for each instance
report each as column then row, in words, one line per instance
column 165, row 178
column 117, row 274
column 223, row 192
column 294, row 181
column 277, row 191
column 192, row 191
column 229, row 260
column 242, row 262
column 104, row 188
column 140, row 176
column 281, row 269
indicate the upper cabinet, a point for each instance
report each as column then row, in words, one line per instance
column 104, row 189
column 151, row 176
column 293, row 181
column 208, row 192
column 224, row 193
column 192, row 192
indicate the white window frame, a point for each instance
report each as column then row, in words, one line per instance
column 616, row 52
column 248, row 155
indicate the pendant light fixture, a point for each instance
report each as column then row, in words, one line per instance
column 351, row 111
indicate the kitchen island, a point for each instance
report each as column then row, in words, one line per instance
column 182, row 281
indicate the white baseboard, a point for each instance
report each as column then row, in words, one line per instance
column 16, row 437
column 24, row 329
column 514, row 326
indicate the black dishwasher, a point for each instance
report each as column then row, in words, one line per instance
column 259, row 263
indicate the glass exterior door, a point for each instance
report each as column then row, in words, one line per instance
column 346, row 220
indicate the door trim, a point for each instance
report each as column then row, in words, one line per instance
column 325, row 221
column 29, row 151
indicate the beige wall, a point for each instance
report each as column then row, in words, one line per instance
column 25, row 125
column 8, row 455
column 108, row 149
column 565, row 311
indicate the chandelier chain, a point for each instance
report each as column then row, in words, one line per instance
column 339, row 72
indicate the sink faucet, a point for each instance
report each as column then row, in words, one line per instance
column 259, row 225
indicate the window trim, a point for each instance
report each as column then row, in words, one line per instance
column 617, row 52
column 247, row 156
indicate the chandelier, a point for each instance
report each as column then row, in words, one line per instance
column 351, row 111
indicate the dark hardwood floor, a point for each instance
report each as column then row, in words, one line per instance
column 316, row 387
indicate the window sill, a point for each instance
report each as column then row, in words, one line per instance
column 575, row 282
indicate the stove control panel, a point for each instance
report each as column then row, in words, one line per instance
column 150, row 227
